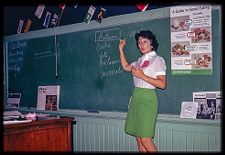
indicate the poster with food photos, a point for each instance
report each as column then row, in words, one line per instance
column 191, row 40
column 48, row 98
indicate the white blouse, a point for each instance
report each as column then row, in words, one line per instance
column 154, row 66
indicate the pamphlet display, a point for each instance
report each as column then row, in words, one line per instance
column 209, row 104
column 189, row 110
column 13, row 100
column 48, row 98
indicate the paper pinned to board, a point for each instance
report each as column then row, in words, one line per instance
column 89, row 14
column 39, row 10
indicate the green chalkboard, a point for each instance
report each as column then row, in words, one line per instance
column 89, row 70
column 30, row 64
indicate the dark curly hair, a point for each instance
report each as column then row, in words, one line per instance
column 149, row 35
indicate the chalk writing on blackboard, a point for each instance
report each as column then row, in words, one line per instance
column 105, row 59
column 43, row 54
column 17, row 45
column 16, row 56
column 104, row 40
column 132, row 33
column 102, row 46
column 111, row 72
column 108, row 35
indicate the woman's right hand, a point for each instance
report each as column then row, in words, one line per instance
column 122, row 44
column 123, row 59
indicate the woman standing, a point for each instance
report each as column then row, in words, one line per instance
column 149, row 72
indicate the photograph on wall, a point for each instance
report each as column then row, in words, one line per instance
column 191, row 40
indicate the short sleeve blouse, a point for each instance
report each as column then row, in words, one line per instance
column 152, row 65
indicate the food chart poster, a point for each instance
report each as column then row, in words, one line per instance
column 191, row 40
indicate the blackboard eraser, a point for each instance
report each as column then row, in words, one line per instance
column 93, row 111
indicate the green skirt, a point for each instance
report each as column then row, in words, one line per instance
column 142, row 113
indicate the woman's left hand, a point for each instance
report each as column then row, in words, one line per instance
column 138, row 72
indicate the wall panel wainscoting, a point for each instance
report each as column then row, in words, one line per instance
column 173, row 134
column 104, row 132
column 99, row 134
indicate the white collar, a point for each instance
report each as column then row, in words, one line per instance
column 148, row 55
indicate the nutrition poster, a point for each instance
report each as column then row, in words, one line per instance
column 191, row 40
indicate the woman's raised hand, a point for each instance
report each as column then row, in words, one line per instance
column 122, row 44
